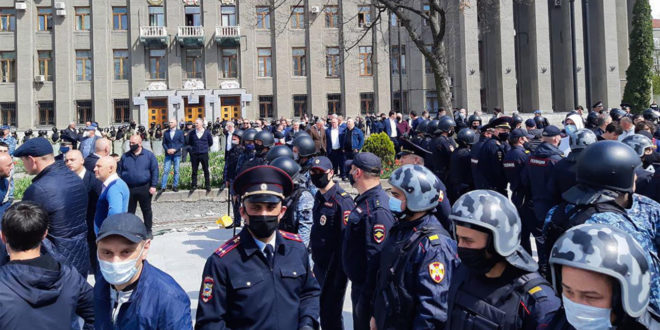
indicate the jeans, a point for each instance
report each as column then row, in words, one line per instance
column 166, row 170
column 141, row 194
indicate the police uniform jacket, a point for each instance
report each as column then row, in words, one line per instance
column 331, row 212
column 514, row 162
column 442, row 147
column 414, row 276
column 241, row 291
column 460, row 173
column 477, row 177
column 491, row 157
column 538, row 178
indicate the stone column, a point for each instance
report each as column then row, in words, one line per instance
column 101, row 52
column 26, row 109
column 467, row 81
column 500, row 63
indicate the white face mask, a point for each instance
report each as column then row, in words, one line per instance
column 586, row 317
column 118, row 273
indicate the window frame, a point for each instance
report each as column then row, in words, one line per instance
column 229, row 16
column 7, row 19
column 8, row 65
column 331, row 16
column 299, row 64
column 159, row 63
column 45, row 13
column 88, row 107
column 366, row 61
column 224, row 59
column 84, row 62
column 124, row 108
column 366, row 103
column 83, row 19
column 123, row 62
column 297, row 18
column 49, row 113
column 156, row 16
column 45, row 64
column 119, row 19
column 398, row 60
column 263, row 17
column 8, row 113
column 194, row 61
column 334, row 103
column 267, row 61
column 266, row 106
column 364, row 16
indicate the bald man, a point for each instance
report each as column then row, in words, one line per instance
column 173, row 142
column 115, row 194
column 6, row 167
column 101, row 148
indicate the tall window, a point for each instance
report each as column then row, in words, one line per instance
column 228, row 15
column 332, row 61
column 45, row 19
column 120, row 57
column 46, row 113
column 398, row 104
column 7, row 19
column 264, row 61
column 119, row 18
column 122, row 111
column 398, row 59
column 84, row 65
column 431, row 101
column 266, row 106
column 83, row 18
column 8, row 66
column 427, row 65
column 299, row 67
column 334, row 104
column 84, row 111
column 331, row 16
column 364, row 16
column 298, row 17
column 263, row 18
column 229, row 62
column 157, row 64
column 193, row 16
column 194, row 63
column 365, row 60
column 366, row 103
column 45, row 62
column 156, row 16
column 299, row 105
column 8, row 113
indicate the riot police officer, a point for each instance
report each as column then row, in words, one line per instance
column 261, row 269
column 442, row 146
column 474, row 121
column 248, row 148
column 496, row 286
column 491, row 156
column 332, row 205
column 298, row 216
column 514, row 162
column 263, row 141
column 304, row 150
column 279, row 151
column 231, row 170
column 565, row 168
column 460, row 174
column 604, row 194
column 603, row 278
column 418, row 259
column 647, row 182
column 486, row 133
column 366, row 229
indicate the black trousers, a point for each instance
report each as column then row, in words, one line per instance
column 196, row 159
column 141, row 194
column 348, row 155
column 337, row 159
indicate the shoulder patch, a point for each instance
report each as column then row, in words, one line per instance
column 535, row 289
column 346, row 215
column 228, row 246
column 379, row 233
column 291, row 236
column 207, row 289
column 343, row 194
column 437, row 271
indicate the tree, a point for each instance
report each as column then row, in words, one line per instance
column 640, row 71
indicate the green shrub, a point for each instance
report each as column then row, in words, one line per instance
column 381, row 146
column 20, row 185
column 216, row 171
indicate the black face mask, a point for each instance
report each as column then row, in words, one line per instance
column 503, row 137
column 477, row 261
column 135, row 147
column 351, row 179
column 262, row 226
column 259, row 148
column 320, row 180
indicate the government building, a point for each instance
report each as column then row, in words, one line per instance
column 113, row 61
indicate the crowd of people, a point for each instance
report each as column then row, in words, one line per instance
column 450, row 244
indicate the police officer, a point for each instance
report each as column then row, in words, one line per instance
column 460, row 174
column 332, row 205
column 279, row 151
column 604, row 194
column 604, row 280
column 514, row 162
column 491, row 156
column 249, row 149
column 565, row 168
column 261, row 278
column 298, row 216
column 442, row 146
column 486, row 133
column 496, row 286
column 474, row 121
column 231, row 170
column 418, row 259
column 366, row 229
column 263, row 141
column 646, row 184
column 541, row 122
column 304, row 150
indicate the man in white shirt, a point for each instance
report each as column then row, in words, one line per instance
column 627, row 126
column 335, row 154
column 230, row 133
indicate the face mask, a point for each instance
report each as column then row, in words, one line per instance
column 249, row 147
column 295, row 156
column 320, row 180
column 234, row 142
column 586, row 317
column 351, row 179
column 503, row 136
column 262, row 226
column 397, row 210
column 570, row 129
column 476, row 260
column 118, row 273
column 134, row 147
column 259, row 148
column 64, row 150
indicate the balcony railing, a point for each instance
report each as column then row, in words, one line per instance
column 191, row 31
column 227, row 31
column 153, row 32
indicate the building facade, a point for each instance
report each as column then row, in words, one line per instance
column 113, row 61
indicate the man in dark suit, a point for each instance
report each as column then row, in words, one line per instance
column 392, row 130
column 101, row 149
column 200, row 141
column 71, row 134
column 317, row 132
column 173, row 142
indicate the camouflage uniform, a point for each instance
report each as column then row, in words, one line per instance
column 304, row 216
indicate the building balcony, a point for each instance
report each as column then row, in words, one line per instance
column 154, row 36
column 228, row 36
column 191, row 36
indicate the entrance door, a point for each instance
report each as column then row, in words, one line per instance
column 230, row 108
column 157, row 111
column 194, row 111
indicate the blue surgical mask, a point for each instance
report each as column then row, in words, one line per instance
column 64, row 150
column 586, row 317
column 118, row 273
column 570, row 129
column 395, row 205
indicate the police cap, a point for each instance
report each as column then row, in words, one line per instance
column 263, row 184
column 321, row 163
column 367, row 162
column 551, row 131
column 518, row 133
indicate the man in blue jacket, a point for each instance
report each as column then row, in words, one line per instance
column 353, row 142
column 172, row 144
column 36, row 291
column 114, row 195
column 131, row 293
column 139, row 169
column 63, row 195
column 200, row 141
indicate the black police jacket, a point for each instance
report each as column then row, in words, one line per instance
column 331, row 210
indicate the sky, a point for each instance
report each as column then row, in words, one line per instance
column 655, row 8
